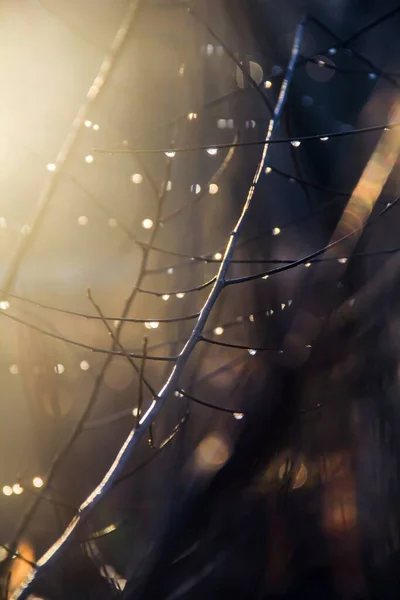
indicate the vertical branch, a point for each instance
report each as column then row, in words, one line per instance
column 171, row 383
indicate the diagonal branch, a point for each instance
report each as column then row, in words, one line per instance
column 136, row 433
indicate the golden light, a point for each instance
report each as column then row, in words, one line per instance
column 267, row 84
column 212, row 151
column 51, row 167
column 136, row 178
column 37, row 482
column 268, row 170
column 84, row 365
column 154, row 324
column 218, row 256
column 165, row 297
column 238, row 416
column 276, row 231
column 14, row 369
column 252, row 352
column 83, row 221
column 180, row 295
column 4, row 305
column 219, row 330
column 213, row 188
column 89, row 159
column 96, row 127
column 17, row 489
column 7, row 490
column 212, row 453
column 170, row 154
column 88, row 123
column 59, row 369
column 192, row 116
column 147, row 223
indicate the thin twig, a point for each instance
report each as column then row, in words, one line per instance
column 117, row 343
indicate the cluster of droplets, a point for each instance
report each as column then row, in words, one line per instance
column 18, row 488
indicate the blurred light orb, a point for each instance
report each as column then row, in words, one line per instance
column 170, row 154
column 3, row 223
column 4, row 305
column 307, row 265
column 268, row 84
column 17, row 489
column 307, row 101
column 170, row 270
column 112, row 222
column 169, row 186
column 96, row 127
column 255, row 71
column 135, row 412
column 209, row 49
column 192, row 116
column 147, row 325
column 372, row 76
column 219, row 330
column 83, row 220
column 332, row 51
column 195, row 188
column 84, row 365
column 212, row 453
column 252, row 352
column 165, row 297
column 276, row 231
column 59, row 369
column 268, row 170
column 119, row 375
column 89, row 159
column 51, row 167
column 154, row 324
column 343, row 261
column 230, row 123
column 298, row 476
column 276, row 70
column 317, row 70
column 25, row 229
column 14, row 369
column 221, row 123
column 147, row 223
column 37, row 482
column 296, row 143
column 136, row 178
column 324, row 139
column 217, row 256
column 88, row 123
column 213, row 188
column 251, row 124
column 180, row 295
column 212, row 151
column 7, row 490
column 238, row 416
